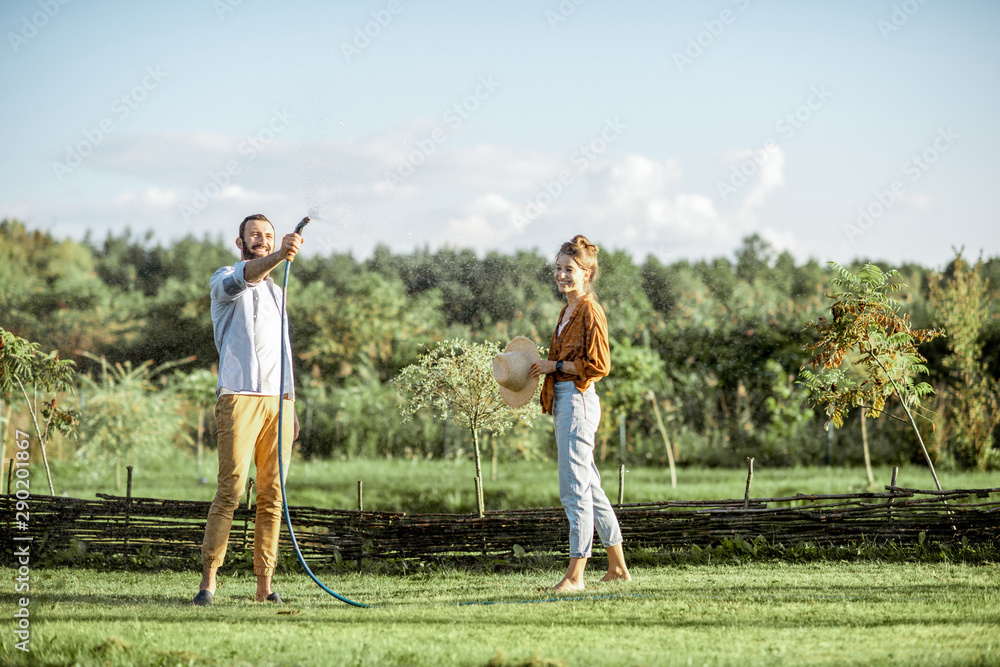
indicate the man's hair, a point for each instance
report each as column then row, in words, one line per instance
column 256, row 216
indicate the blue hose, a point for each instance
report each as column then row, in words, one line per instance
column 281, row 412
column 281, row 475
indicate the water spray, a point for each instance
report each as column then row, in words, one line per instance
column 281, row 476
column 281, row 468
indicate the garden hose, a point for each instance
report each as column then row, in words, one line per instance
column 281, row 411
column 284, row 497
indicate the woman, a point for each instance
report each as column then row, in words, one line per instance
column 579, row 356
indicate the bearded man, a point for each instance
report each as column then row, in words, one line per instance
column 246, row 319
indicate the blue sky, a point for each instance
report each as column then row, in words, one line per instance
column 834, row 130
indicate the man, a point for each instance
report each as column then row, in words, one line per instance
column 246, row 318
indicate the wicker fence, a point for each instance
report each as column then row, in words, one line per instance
column 173, row 529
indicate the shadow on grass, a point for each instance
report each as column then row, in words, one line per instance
column 637, row 602
column 516, row 620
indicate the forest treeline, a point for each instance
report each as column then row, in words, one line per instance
column 718, row 342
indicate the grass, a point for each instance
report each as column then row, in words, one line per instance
column 762, row 611
column 447, row 486
column 769, row 613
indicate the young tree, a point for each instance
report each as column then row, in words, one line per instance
column 197, row 389
column 638, row 371
column 38, row 378
column 959, row 301
column 868, row 332
column 125, row 417
column 456, row 380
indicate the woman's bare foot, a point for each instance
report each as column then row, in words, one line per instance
column 568, row 585
column 573, row 581
column 618, row 574
column 617, row 570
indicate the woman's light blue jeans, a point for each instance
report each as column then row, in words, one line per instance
column 576, row 417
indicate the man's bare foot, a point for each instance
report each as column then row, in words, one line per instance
column 263, row 588
column 617, row 574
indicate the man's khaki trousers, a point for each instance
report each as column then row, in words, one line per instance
column 247, row 427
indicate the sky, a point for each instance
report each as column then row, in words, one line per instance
column 834, row 130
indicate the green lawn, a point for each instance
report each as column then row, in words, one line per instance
column 436, row 486
column 754, row 614
column 773, row 612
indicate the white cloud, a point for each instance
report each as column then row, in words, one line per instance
column 636, row 179
column 919, row 202
column 461, row 194
column 783, row 240
column 484, row 222
column 152, row 199
column 771, row 177
column 642, row 196
column 485, row 166
column 25, row 210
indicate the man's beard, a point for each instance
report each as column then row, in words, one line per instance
column 248, row 252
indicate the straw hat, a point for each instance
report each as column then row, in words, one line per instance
column 510, row 370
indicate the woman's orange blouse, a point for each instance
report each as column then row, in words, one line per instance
column 584, row 341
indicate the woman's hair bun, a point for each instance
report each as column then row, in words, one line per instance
column 584, row 243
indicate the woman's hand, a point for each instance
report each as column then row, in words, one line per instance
column 541, row 367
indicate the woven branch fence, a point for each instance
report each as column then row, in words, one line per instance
column 173, row 530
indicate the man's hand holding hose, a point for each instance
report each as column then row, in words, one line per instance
column 256, row 270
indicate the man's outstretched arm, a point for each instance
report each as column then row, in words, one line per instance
column 257, row 269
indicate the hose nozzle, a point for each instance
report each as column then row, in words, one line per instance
column 305, row 221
